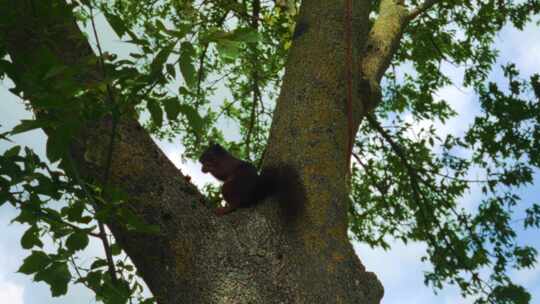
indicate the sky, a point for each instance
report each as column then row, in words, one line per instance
column 399, row 269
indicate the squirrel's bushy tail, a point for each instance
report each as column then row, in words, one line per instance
column 283, row 183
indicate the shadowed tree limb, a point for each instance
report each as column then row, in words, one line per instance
column 159, row 194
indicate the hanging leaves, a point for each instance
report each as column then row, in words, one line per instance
column 187, row 68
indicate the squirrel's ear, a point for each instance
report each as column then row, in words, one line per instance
column 217, row 148
column 206, row 152
column 213, row 150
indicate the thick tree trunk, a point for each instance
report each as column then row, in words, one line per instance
column 256, row 255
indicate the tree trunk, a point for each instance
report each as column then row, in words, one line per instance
column 256, row 255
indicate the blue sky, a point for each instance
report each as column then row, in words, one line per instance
column 399, row 269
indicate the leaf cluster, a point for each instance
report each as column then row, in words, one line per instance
column 58, row 211
column 412, row 176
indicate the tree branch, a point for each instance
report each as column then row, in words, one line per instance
column 382, row 44
column 202, row 58
column 415, row 178
column 422, row 8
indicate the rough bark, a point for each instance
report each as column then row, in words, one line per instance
column 383, row 42
column 257, row 255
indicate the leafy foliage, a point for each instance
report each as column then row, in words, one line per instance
column 409, row 182
column 212, row 46
column 56, row 208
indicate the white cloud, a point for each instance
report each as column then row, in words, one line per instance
column 521, row 47
column 11, row 293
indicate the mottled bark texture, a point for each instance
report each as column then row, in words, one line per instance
column 382, row 43
column 256, row 255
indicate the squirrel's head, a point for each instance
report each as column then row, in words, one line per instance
column 213, row 161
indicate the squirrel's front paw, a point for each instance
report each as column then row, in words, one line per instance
column 221, row 211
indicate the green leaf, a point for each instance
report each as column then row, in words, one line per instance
column 115, row 249
column 55, row 71
column 160, row 59
column 216, row 34
column 60, row 230
column 4, row 136
column 77, row 241
column 94, row 279
column 57, row 146
column 14, row 151
column 35, row 262
column 512, row 294
column 8, row 68
column 170, row 70
column 228, row 49
column 115, row 293
column 148, row 301
column 46, row 186
column 156, row 112
column 31, row 238
column 105, row 213
column 86, row 219
column 115, row 196
column 172, row 108
column 98, row 264
column 27, row 125
column 27, row 215
column 57, row 276
column 74, row 212
column 53, row 214
column 129, row 267
column 194, row 118
column 116, row 23
column 160, row 26
column 187, row 54
column 246, row 34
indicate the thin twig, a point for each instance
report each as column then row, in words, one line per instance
column 201, row 69
column 422, row 8
column 106, row 174
column 420, row 198
column 255, row 75
column 79, row 274
column 371, row 175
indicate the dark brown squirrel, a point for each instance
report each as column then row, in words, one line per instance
column 242, row 185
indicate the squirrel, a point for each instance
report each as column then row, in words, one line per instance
column 242, row 185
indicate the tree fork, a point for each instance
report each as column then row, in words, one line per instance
column 250, row 256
